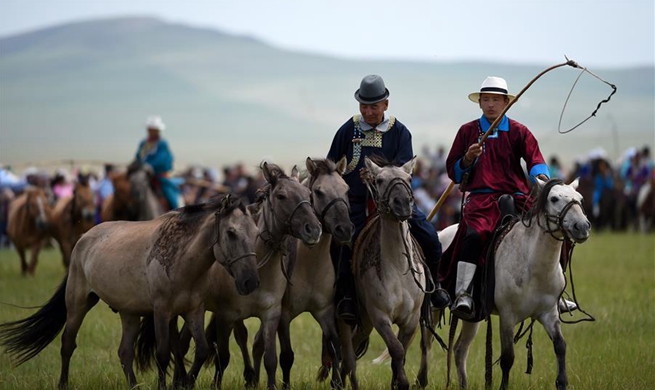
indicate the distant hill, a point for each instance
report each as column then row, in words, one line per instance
column 83, row 91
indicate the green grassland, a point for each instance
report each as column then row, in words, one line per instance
column 614, row 279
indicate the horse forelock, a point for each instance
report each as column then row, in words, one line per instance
column 382, row 162
column 541, row 195
column 323, row 167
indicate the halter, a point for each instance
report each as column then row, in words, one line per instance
column 228, row 262
column 382, row 203
column 287, row 223
column 558, row 219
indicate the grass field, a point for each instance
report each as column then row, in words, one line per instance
column 614, row 279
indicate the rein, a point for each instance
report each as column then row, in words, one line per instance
column 228, row 262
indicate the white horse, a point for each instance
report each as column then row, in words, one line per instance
column 528, row 275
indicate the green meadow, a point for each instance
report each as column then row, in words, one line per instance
column 614, row 281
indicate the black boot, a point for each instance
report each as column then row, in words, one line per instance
column 346, row 300
column 439, row 297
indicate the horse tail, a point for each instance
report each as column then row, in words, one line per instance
column 146, row 344
column 212, row 339
column 24, row 339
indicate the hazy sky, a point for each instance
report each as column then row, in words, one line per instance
column 596, row 33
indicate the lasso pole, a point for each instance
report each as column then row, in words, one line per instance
column 445, row 194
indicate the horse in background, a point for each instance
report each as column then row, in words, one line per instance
column 646, row 205
column 146, row 268
column 529, row 279
column 133, row 198
column 29, row 225
column 72, row 217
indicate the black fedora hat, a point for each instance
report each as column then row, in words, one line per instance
column 371, row 90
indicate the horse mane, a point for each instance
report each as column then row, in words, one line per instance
column 215, row 204
column 541, row 195
column 381, row 161
column 323, row 167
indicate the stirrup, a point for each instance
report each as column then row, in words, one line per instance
column 460, row 308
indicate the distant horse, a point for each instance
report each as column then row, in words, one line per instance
column 311, row 287
column 28, row 225
column 156, row 267
column 72, row 217
column 284, row 210
column 528, row 276
column 133, row 198
column 389, row 272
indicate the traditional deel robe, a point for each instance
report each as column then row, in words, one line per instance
column 495, row 172
column 390, row 139
column 158, row 155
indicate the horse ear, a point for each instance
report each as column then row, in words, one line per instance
column 311, row 166
column 409, row 165
column 575, row 183
column 295, row 174
column 371, row 166
column 342, row 164
column 268, row 175
column 539, row 182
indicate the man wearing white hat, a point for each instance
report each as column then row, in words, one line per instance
column 375, row 132
column 154, row 152
column 488, row 172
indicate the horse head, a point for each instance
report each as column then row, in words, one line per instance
column 234, row 249
column 563, row 214
column 392, row 187
column 37, row 208
column 83, row 210
column 329, row 193
column 290, row 204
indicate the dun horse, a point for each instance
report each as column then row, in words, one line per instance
column 284, row 210
column 389, row 272
column 528, row 276
column 156, row 267
column 28, row 225
column 311, row 287
column 73, row 216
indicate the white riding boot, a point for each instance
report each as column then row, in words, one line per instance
column 566, row 306
column 463, row 306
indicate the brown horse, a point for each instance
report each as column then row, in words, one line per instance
column 28, row 225
column 133, row 199
column 72, row 217
column 157, row 268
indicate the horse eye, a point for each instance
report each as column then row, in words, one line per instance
column 554, row 199
column 231, row 234
column 281, row 196
column 318, row 192
column 379, row 181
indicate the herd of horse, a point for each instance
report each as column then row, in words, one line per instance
column 271, row 260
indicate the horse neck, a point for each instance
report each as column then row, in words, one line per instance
column 541, row 249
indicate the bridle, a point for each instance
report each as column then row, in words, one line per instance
column 382, row 203
column 228, row 261
column 558, row 219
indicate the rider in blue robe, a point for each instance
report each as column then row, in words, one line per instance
column 155, row 152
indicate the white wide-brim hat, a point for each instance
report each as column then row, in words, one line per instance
column 155, row 122
column 493, row 85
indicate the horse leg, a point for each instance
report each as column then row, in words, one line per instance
column 331, row 342
column 258, row 351
column 163, row 354
column 23, row 263
column 466, row 336
column 270, row 324
column 348, row 365
column 506, row 348
column 241, row 337
column 78, row 303
column 130, row 325
column 196, row 325
column 286, row 350
column 223, row 331
column 36, row 248
column 553, row 328
column 396, row 350
column 179, row 351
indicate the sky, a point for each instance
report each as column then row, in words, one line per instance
column 595, row 33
